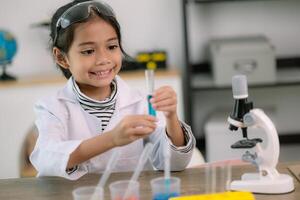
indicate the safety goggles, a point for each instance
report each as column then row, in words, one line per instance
column 80, row 12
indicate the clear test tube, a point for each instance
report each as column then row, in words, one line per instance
column 228, row 169
column 222, row 178
column 210, row 178
column 149, row 74
column 217, row 177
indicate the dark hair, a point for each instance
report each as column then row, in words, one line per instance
column 65, row 36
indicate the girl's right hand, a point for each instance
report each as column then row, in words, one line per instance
column 133, row 127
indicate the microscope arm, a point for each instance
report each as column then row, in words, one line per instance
column 269, row 154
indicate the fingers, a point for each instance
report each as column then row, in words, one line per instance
column 142, row 121
column 140, row 132
column 162, row 105
column 133, row 127
column 142, row 125
column 164, row 99
column 166, row 108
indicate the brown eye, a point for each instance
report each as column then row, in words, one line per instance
column 112, row 47
column 88, row 52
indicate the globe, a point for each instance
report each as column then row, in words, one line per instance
column 8, row 49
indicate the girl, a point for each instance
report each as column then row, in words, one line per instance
column 96, row 111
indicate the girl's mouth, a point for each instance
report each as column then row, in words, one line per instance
column 101, row 74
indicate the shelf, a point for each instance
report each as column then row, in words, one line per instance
column 218, row 1
column 285, row 77
column 59, row 79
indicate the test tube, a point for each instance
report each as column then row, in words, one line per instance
column 222, row 173
column 228, row 175
column 149, row 74
column 210, row 178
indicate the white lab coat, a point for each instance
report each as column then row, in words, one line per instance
column 63, row 125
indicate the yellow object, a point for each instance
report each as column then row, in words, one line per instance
column 219, row 196
column 143, row 57
column 159, row 57
column 151, row 65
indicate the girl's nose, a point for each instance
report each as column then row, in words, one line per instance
column 102, row 61
column 103, row 58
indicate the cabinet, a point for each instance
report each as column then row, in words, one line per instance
column 202, row 97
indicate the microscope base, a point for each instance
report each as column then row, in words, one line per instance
column 251, row 182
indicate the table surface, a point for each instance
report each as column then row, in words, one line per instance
column 192, row 182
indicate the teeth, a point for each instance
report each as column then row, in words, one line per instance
column 102, row 73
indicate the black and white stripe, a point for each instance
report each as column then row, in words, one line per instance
column 189, row 140
column 103, row 110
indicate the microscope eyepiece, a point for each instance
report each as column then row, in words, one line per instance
column 239, row 87
column 241, row 104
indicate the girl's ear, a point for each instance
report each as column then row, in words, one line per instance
column 60, row 57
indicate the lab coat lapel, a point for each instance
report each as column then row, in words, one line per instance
column 126, row 97
column 81, row 121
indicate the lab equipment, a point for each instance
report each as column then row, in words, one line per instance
column 267, row 180
column 142, row 161
column 118, row 190
column 149, row 74
column 210, row 178
column 214, row 172
column 159, row 190
column 87, row 193
column 110, row 165
column 167, row 155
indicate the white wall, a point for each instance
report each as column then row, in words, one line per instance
column 277, row 19
column 152, row 24
column 145, row 24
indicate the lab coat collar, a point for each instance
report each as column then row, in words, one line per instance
column 126, row 96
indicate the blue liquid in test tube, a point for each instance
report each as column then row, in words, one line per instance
column 151, row 110
column 150, row 89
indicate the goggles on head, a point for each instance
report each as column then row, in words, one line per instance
column 80, row 12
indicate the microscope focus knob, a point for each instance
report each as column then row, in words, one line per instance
column 249, row 119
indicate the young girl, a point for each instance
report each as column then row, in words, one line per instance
column 97, row 111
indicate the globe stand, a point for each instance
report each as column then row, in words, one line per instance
column 4, row 76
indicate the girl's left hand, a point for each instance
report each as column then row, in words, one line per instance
column 165, row 99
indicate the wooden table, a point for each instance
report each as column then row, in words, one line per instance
column 192, row 182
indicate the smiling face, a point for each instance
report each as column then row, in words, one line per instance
column 94, row 57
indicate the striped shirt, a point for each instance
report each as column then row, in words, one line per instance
column 103, row 110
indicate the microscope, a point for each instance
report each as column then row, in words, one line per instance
column 267, row 180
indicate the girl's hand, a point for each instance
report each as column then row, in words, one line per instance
column 165, row 99
column 132, row 128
